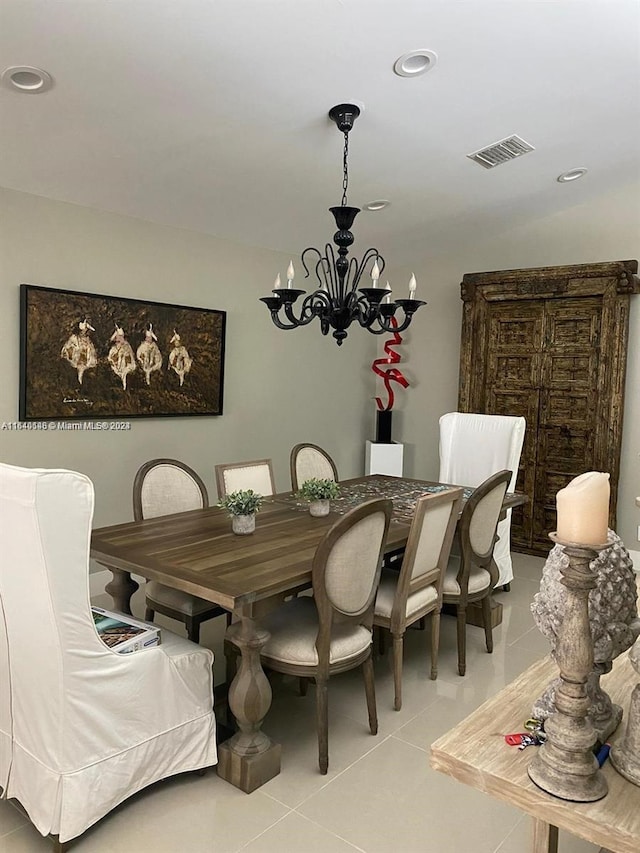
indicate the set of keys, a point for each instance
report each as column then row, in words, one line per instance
column 533, row 736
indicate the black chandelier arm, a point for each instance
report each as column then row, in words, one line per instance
column 387, row 312
column 370, row 255
column 324, row 267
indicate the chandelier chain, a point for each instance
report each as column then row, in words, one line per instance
column 345, row 169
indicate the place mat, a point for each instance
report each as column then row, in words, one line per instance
column 403, row 493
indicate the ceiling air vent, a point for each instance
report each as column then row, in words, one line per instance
column 501, row 152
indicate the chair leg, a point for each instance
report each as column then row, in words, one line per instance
column 59, row 846
column 322, row 713
column 149, row 613
column 370, row 691
column 382, row 640
column 462, row 639
column 193, row 630
column 486, row 618
column 435, row 643
column 506, row 587
column 303, row 684
column 398, row 644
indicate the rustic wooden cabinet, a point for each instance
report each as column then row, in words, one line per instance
column 550, row 344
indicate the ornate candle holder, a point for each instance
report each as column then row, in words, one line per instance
column 613, row 618
column 565, row 765
column 625, row 755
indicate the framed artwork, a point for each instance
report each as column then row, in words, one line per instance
column 88, row 356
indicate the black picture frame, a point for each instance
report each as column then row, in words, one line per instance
column 86, row 355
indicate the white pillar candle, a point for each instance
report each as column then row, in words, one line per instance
column 290, row 274
column 277, row 284
column 412, row 287
column 583, row 509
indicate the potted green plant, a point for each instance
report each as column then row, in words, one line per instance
column 242, row 506
column 318, row 493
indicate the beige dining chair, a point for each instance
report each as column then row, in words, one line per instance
column 472, row 574
column 241, row 476
column 165, row 487
column 318, row 637
column 415, row 591
column 309, row 461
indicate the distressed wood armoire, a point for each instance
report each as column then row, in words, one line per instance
column 550, row 344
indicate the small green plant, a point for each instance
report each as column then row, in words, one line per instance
column 319, row 490
column 242, row 503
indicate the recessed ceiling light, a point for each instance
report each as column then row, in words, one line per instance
column 415, row 62
column 27, row 79
column 378, row 204
column 571, row 175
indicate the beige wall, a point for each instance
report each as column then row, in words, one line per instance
column 607, row 231
column 280, row 387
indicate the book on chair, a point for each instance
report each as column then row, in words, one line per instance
column 123, row 633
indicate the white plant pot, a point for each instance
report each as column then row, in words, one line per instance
column 319, row 508
column 243, row 524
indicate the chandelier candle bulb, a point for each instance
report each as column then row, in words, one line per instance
column 277, row 284
column 375, row 274
column 412, row 287
column 290, row 274
column 583, row 509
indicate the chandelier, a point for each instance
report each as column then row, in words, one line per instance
column 339, row 300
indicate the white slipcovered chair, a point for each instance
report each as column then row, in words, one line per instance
column 308, row 461
column 5, row 704
column 164, row 487
column 89, row 727
column 241, row 476
column 472, row 448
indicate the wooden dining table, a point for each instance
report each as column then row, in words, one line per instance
column 196, row 552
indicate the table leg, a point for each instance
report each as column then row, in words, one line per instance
column 545, row 837
column 121, row 588
column 249, row 758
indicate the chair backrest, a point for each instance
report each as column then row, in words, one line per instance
column 166, row 486
column 346, row 569
column 428, row 547
column 240, row 476
column 473, row 446
column 309, row 461
column 478, row 525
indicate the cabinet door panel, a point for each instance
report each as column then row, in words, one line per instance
column 550, row 343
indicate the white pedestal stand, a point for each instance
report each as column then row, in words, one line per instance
column 384, row 458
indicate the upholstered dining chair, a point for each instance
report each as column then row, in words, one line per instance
column 407, row 596
column 309, row 461
column 240, row 476
column 472, row 447
column 90, row 727
column 471, row 575
column 318, row 637
column 165, row 487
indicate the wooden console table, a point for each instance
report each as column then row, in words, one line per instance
column 474, row 752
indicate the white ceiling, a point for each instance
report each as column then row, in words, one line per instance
column 212, row 114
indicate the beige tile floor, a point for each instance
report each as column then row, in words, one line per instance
column 380, row 795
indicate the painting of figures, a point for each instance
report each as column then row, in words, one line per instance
column 88, row 356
